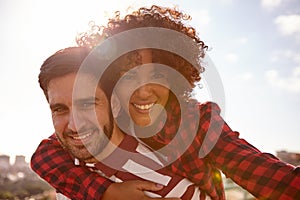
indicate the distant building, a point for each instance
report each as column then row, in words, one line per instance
column 19, row 170
column 4, row 164
column 18, row 181
column 20, row 163
column 289, row 157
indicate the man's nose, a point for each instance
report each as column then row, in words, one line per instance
column 74, row 121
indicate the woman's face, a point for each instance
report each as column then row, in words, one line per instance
column 143, row 91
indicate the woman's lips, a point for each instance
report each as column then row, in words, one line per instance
column 144, row 106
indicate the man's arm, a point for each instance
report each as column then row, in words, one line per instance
column 51, row 162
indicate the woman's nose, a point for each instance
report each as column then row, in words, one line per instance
column 144, row 91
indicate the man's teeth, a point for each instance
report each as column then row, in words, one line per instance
column 81, row 137
column 144, row 107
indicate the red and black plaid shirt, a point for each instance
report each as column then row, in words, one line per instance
column 215, row 147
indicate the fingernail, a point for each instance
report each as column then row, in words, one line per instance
column 159, row 185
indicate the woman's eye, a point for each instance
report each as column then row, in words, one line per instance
column 127, row 77
column 159, row 75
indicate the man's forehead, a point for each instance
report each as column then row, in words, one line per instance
column 86, row 85
column 88, row 93
column 77, row 85
column 85, row 82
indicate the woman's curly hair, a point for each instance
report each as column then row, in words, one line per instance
column 155, row 16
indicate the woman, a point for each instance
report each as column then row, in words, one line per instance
column 261, row 174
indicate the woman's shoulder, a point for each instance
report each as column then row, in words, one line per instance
column 207, row 106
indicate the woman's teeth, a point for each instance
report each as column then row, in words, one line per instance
column 144, row 107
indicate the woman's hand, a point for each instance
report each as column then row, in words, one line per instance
column 133, row 190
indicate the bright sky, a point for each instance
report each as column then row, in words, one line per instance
column 255, row 46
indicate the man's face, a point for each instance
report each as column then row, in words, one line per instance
column 82, row 122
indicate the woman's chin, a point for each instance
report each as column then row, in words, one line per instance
column 143, row 122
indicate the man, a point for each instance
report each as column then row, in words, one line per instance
column 85, row 127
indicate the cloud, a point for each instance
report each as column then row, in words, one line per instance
column 242, row 40
column 288, row 24
column 286, row 55
column 231, row 57
column 247, row 76
column 270, row 4
column 296, row 57
column 226, row 2
column 202, row 17
column 290, row 84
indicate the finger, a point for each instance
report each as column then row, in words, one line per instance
column 151, row 198
column 149, row 186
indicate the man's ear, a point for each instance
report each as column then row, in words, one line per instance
column 115, row 105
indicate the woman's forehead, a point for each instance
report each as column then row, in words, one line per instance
column 133, row 59
column 131, row 62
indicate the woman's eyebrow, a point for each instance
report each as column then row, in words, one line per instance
column 131, row 72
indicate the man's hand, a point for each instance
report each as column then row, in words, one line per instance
column 133, row 190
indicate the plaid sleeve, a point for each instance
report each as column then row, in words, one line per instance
column 262, row 174
column 51, row 162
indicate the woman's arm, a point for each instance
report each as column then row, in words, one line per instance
column 261, row 174
column 55, row 165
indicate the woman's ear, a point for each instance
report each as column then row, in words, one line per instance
column 115, row 105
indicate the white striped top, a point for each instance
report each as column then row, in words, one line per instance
column 134, row 161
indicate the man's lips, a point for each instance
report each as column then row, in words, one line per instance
column 83, row 137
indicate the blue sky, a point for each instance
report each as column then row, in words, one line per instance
column 254, row 45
